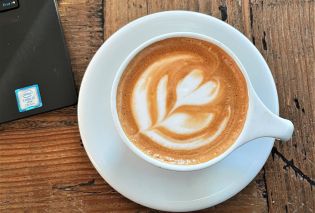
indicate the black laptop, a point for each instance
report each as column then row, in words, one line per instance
column 35, row 69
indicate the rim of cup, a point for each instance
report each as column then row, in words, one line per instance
column 124, row 137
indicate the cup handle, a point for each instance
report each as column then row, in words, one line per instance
column 263, row 123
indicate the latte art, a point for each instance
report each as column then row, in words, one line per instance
column 165, row 122
column 182, row 101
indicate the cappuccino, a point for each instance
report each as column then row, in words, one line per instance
column 182, row 101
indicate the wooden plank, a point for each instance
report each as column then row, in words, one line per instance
column 284, row 33
column 46, row 170
column 120, row 13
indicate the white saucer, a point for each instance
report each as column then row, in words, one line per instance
column 136, row 179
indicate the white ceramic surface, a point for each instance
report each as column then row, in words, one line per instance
column 127, row 173
column 260, row 121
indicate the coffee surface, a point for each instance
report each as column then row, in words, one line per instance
column 182, row 101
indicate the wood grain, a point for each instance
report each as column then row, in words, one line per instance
column 43, row 165
column 284, row 33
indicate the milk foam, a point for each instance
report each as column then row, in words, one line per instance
column 197, row 142
column 176, row 122
column 182, row 101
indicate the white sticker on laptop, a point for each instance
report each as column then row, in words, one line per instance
column 28, row 98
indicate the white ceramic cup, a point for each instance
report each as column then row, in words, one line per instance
column 260, row 121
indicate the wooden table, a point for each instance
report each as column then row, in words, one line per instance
column 47, row 169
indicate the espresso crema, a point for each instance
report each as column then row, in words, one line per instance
column 182, row 101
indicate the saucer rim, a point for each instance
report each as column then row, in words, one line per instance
column 89, row 72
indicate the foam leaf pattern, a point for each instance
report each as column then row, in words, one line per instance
column 189, row 83
column 189, row 91
column 183, row 123
column 175, row 126
column 161, row 97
